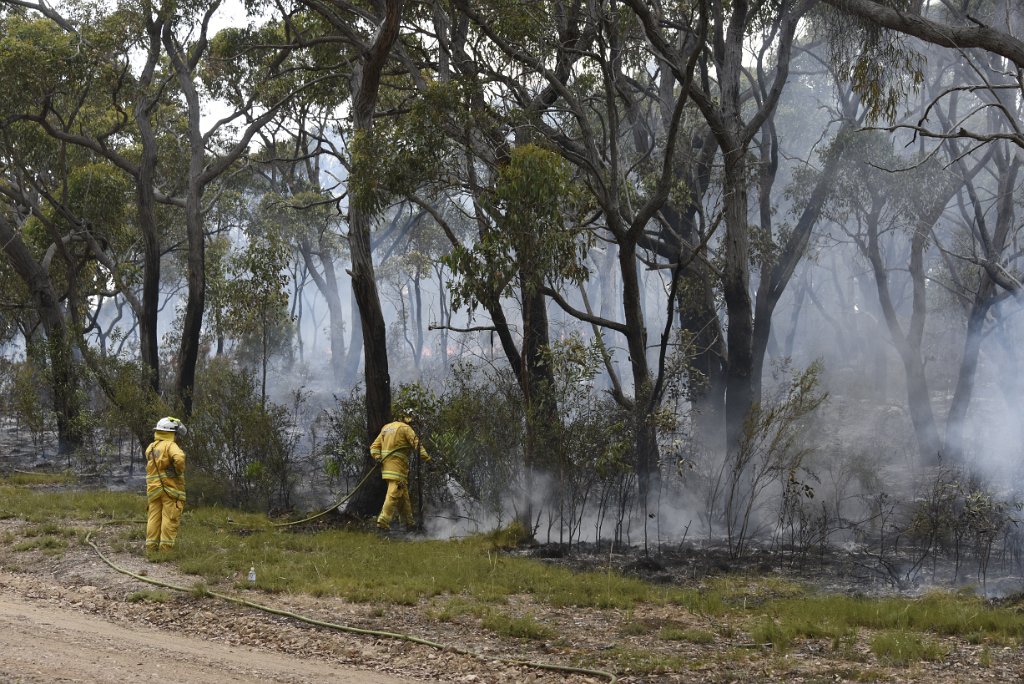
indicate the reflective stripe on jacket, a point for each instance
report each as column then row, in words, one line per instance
column 165, row 467
column 393, row 447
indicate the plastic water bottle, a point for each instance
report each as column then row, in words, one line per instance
column 252, row 575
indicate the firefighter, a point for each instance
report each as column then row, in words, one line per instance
column 165, row 485
column 393, row 448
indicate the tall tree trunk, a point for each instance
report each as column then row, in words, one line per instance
column 739, row 384
column 775, row 277
column 350, row 371
column 65, row 380
column 195, row 301
column 327, row 285
column 145, row 185
column 536, row 381
column 908, row 344
column 636, row 343
column 365, row 90
column 957, row 417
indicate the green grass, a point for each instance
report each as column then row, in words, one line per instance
column 365, row 568
column 42, row 506
column 523, row 627
column 37, row 479
column 942, row 613
column 641, row 662
column 455, row 607
column 900, row 648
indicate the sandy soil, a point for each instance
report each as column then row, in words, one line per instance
column 41, row 643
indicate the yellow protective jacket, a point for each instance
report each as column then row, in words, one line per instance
column 165, row 467
column 393, row 446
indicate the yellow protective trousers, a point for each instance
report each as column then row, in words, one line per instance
column 164, row 517
column 396, row 501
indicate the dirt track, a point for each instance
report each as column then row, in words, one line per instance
column 44, row 644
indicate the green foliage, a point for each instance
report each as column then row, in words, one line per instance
column 960, row 517
column 37, row 61
column 255, row 292
column 100, row 196
column 129, row 402
column 28, row 399
column 240, row 450
column 401, row 154
column 881, row 67
column 533, row 241
column 345, row 433
column 477, row 435
column 770, row 451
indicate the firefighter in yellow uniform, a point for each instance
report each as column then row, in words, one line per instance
column 393, row 448
column 165, row 485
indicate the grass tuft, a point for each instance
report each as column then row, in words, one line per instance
column 525, row 627
column 900, row 648
column 46, row 543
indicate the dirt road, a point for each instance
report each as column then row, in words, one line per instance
column 44, row 644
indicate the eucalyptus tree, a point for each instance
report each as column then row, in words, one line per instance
column 973, row 102
column 983, row 265
column 141, row 104
column 549, row 79
column 257, row 312
column 735, row 116
column 364, row 36
column 989, row 217
column 367, row 35
column 210, row 152
column 991, row 25
column 289, row 173
column 47, row 195
column 53, row 316
column 87, row 97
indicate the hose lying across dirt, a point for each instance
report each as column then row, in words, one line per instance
column 356, row 630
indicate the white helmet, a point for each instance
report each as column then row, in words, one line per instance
column 170, row 424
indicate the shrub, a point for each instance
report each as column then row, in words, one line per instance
column 241, row 451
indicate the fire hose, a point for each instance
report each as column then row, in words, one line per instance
column 336, row 505
column 611, row 677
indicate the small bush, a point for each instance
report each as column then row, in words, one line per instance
column 240, row 451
